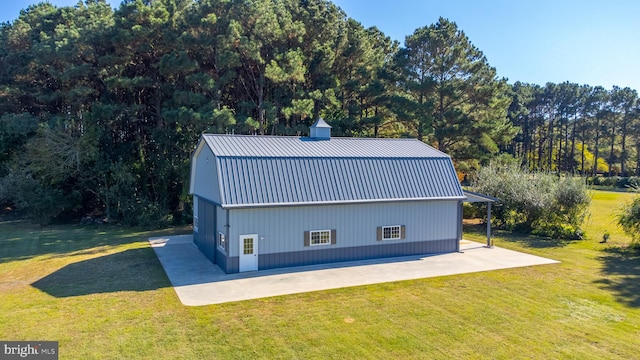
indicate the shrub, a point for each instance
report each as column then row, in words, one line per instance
column 540, row 203
column 470, row 211
column 570, row 201
column 629, row 219
column 614, row 181
column 39, row 202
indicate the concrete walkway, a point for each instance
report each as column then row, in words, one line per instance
column 199, row 282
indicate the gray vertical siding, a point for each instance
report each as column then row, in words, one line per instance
column 199, row 236
column 328, row 255
column 221, row 255
column 205, row 238
column 281, row 229
column 430, row 227
column 211, row 221
column 228, row 230
column 206, row 176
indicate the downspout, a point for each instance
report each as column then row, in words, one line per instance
column 228, row 242
column 227, row 226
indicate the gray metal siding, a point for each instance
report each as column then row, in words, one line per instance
column 206, row 176
column 281, row 229
column 227, row 264
column 198, row 237
column 389, row 249
column 205, row 239
column 233, row 232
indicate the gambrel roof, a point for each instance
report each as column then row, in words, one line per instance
column 285, row 170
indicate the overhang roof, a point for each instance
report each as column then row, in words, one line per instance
column 477, row 197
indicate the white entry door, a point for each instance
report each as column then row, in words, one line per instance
column 248, row 252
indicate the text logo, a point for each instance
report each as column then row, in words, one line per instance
column 36, row 350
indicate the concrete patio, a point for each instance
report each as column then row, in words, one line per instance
column 199, row 282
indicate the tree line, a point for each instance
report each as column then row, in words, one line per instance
column 576, row 129
column 100, row 109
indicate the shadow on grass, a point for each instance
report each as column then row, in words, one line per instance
column 621, row 268
column 130, row 270
column 21, row 240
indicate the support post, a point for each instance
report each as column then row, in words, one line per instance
column 459, row 226
column 489, row 224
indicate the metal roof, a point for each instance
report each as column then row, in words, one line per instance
column 477, row 197
column 293, row 146
column 275, row 171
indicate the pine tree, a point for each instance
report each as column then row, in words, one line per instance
column 454, row 97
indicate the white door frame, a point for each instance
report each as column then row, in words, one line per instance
column 249, row 261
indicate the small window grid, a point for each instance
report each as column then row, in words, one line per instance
column 391, row 232
column 320, row 237
column 248, row 246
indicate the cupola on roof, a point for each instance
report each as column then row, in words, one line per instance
column 320, row 130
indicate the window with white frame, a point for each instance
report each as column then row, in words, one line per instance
column 320, row 237
column 222, row 241
column 391, row 232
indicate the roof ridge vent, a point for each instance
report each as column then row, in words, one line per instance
column 320, row 130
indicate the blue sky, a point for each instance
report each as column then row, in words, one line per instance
column 583, row 41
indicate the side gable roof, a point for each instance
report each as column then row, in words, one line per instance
column 278, row 170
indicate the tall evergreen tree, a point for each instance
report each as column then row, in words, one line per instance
column 623, row 102
column 456, row 100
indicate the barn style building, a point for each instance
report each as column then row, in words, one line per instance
column 263, row 202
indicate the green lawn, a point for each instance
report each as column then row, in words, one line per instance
column 101, row 293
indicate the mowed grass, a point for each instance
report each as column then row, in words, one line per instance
column 101, row 293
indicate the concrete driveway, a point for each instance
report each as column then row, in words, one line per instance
column 199, row 282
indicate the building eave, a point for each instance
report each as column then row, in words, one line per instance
column 477, row 197
column 339, row 202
